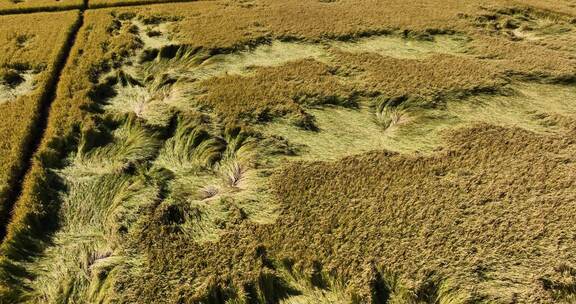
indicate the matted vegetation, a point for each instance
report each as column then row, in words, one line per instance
column 423, row 217
column 34, row 217
column 413, row 128
column 245, row 152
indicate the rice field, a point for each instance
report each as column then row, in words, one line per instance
column 30, row 6
column 268, row 151
column 30, row 56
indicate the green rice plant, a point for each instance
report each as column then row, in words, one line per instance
column 154, row 90
column 334, row 291
column 216, row 180
column 195, row 185
column 130, row 144
column 191, row 155
column 388, row 116
column 172, row 62
column 151, row 102
column 253, row 197
column 389, row 112
column 384, row 286
column 342, row 132
column 63, row 273
column 274, row 54
column 202, row 220
column 241, row 146
column 100, row 205
column 391, row 288
column 243, row 171
column 103, row 274
column 238, row 157
column 206, row 220
column 191, row 148
column 91, row 214
column 233, row 174
column 89, row 202
column 433, row 290
column 405, row 47
column 267, row 286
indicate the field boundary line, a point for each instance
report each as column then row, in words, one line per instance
column 41, row 9
column 86, row 6
column 140, row 3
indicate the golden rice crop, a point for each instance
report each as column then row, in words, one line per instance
column 480, row 212
column 275, row 91
column 192, row 215
column 32, row 215
column 428, row 79
column 31, row 45
column 28, row 6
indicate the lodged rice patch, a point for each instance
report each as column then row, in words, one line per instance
column 480, row 220
column 241, row 152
